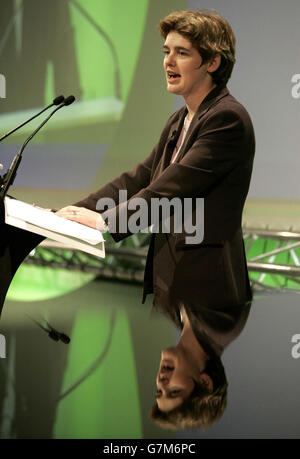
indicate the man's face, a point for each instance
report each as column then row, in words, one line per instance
column 175, row 379
column 182, row 63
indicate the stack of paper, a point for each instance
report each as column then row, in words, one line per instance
column 45, row 223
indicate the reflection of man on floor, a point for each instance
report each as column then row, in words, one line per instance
column 191, row 381
column 184, row 365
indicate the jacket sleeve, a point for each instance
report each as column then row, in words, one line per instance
column 217, row 149
column 132, row 181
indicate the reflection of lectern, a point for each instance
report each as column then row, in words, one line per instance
column 23, row 227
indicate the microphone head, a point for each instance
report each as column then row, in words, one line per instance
column 69, row 100
column 58, row 100
column 64, row 338
column 53, row 335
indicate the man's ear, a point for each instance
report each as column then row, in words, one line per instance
column 207, row 382
column 214, row 63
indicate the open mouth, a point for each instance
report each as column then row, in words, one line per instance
column 167, row 365
column 167, row 368
column 173, row 75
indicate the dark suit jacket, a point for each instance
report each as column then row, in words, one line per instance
column 216, row 329
column 214, row 163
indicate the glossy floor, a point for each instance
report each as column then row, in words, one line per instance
column 102, row 384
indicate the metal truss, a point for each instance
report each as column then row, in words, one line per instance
column 124, row 261
column 273, row 259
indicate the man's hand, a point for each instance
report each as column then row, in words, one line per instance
column 84, row 216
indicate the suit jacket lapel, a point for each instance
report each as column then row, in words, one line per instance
column 210, row 100
column 177, row 124
column 174, row 133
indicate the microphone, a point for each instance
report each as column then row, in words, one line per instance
column 12, row 171
column 69, row 100
column 52, row 332
column 58, row 100
column 57, row 336
column 172, row 139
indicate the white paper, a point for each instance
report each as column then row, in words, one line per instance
column 45, row 219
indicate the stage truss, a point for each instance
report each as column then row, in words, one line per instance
column 273, row 259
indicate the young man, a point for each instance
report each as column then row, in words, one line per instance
column 211, row 159
column 205, row 151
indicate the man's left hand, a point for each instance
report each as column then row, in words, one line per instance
column 81, row 215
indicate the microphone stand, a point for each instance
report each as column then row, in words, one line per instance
column 9, row 177
column 2, row 177
column 58, row 100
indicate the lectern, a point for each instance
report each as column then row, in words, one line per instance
column 15, row 245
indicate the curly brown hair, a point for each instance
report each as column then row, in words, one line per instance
column 202, row 408
column 209, row 33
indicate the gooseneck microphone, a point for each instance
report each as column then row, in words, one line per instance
column 52, row 332
column 12, row 171
column 69, row 100
column 58, row 100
